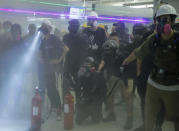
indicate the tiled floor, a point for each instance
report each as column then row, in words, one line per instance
column 9, row 124
column 52, row 125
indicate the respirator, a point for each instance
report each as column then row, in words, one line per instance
column 163, row 26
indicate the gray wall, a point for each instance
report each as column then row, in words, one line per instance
column 34, row 6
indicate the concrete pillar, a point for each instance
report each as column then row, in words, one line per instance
column 156, row 4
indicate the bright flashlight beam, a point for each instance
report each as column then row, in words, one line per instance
column 28, row 57
column 13, row 125
column 15, row 80
column 24, row 62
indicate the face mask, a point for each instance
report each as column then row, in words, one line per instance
column 92, row 23
column 73, row 29
column 95, row 23
column 45, row 30
column 163, row 27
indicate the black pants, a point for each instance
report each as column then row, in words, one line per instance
column 48, row 81
column 87, row 109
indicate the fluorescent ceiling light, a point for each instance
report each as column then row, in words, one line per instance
column 142, row 6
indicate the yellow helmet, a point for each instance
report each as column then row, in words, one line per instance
column 85, row 25
column 101, row 26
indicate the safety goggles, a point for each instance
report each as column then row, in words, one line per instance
column 164, row 19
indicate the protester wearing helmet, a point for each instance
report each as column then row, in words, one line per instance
column 52, row 53
column 31, row 31
column 91, row 93
column 77, row 45
column 110, row 64
column 163, row 83
column 96, row 35
column 120, row 28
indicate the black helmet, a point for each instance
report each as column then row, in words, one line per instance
column 73, row 26
column 32, row 26
column 89, row 61
column 74, row 22
column 110, row 44
column 139, row 28
column 16, row 28
column 120, row 27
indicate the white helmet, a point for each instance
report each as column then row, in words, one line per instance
column 166, row 10
column 93, row 14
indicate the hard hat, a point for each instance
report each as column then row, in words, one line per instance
column 74, row 22
column 47, row 22
column 84, row 25
column 166, row 10
column 101, row 26
column 93, row 14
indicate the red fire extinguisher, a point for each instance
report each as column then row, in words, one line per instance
column 36, row 119
column 68, row 111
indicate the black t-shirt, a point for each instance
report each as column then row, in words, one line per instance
column 96, row 40
column 51, row 48
column 78, row 45
column 113, row 62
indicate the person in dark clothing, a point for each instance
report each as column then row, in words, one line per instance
column 97, row 37
column 119, row 28
column 31, row 31
column 52, row 52
column 91, row 92
column 111, row 60
column 77, row 45
column 77, row 48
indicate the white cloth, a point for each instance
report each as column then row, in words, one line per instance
column 163, row 87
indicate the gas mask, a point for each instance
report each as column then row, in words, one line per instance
column 73, row 28
column 92, row 23
column 45, row 30
column 95, row 23
column 163, row 26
